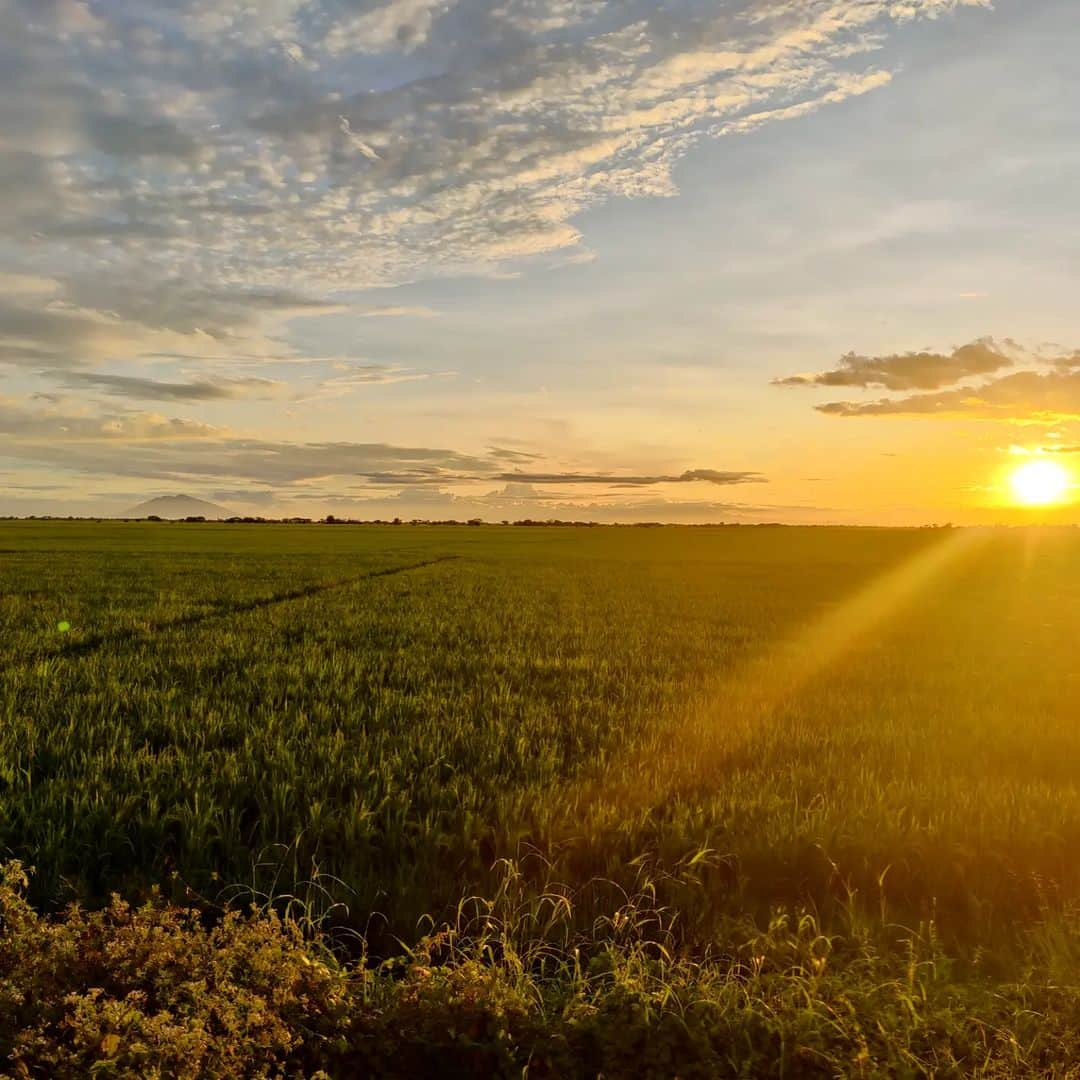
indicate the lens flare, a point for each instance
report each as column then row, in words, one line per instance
column 1040, row 483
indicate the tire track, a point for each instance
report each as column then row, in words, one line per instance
column 136, row 634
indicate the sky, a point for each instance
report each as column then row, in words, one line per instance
column 697, row 260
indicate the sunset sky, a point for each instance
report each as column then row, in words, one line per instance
column 797, row 260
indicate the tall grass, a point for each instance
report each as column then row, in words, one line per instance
column 511, row 986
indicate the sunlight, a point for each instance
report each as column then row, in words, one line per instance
column 1040, row 483
column 739, row 703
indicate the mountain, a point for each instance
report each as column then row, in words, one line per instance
column 173, row 507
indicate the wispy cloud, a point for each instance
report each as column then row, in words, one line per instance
column 146, row 389
column 150, row 446
column 348, row 376
column 401, row 311
column 709, row 476
column 258, row 148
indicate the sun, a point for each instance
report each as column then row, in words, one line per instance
column 1040, row 483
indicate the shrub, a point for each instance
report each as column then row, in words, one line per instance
column 153, row 992
column 161, row 991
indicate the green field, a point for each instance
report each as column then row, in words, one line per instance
column 820, row 787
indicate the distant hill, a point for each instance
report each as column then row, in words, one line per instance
column 173, row 507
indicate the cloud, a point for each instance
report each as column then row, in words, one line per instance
column 132, row 386
column 276, row 300
column 126, row 136
column 1047, row 389
column 236, row 316
column 351, row 375
column 37, row 326
column 512, row 456
column 545, row 16
column 710, row 476
column 24, row 285
column 1023, row 396
column 354, row 140
column 401, row 25
column 347, row 376
column 148, row 446
column 47, row 434
column 252, row 496
column 519, row 501
column 511, row 502
column 182, row 181
column 912, row 370
column 237, row 144
column 89, row 324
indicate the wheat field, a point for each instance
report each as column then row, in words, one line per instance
column 842, row 761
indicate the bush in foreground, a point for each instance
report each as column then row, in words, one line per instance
column 160, row 991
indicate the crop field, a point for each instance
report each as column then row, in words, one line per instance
column 814, row 792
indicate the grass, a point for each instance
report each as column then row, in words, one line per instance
column 854, row 751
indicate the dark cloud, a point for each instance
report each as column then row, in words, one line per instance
column 159, row 449
column 13, row 353
column 511, row 456
column 1026, row 395
column 138, row 388
column 153, row 447
column 150, row 446
column 711, row 476
column 272, row 300
column 1047, row 389
column 175, row 304
column 912, row 370
column 110, row 229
